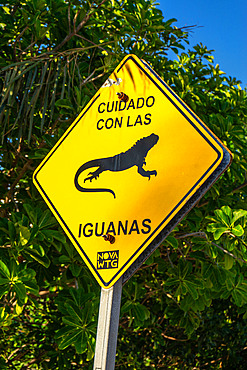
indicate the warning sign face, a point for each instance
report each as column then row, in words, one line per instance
column 131, row 161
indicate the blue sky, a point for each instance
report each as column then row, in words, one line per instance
column 223, row 27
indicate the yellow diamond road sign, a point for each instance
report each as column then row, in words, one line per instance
column 131, row 165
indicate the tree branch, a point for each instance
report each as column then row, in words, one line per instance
column 198, row 234
column 225, row 251
column 239, row 187
column 23, row 170
column 171, row 338
column 169, row 259
column 203, row 235
column 17, row 39
column 27, row 165
column 93, row 43
column 77, row 29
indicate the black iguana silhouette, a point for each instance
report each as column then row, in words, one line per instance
column 135, row 156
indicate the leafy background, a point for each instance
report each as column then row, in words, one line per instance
column 186, row 307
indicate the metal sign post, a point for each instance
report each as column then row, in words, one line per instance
column 107, row 330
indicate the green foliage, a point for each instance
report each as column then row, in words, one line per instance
column 79, row 320
column 187, row 305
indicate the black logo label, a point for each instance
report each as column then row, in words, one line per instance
column 107, row 260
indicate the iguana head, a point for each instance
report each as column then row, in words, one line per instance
column 152, row 139
column 146, row 143
column 143, row 145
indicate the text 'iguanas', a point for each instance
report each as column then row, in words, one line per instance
column 135, row 156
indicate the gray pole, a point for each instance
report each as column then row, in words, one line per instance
column 107, row 330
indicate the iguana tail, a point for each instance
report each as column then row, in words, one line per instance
column 84, row 167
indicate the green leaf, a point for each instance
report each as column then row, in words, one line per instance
column 207, row 270
column 237, row 296
column 18, row 309
column 4, row 281
column 91, row 328
column 32, row 287
column 91, row 346
column 220, row 275
column 4, row 289
column 237, row 215
column 171, row 281
column 64, row 259
column 191, row 289
column 80, row 297
column 245, row 316
column 228, row 261
column 219, row 232
column 69, row 320
column 31, row 212
column 226, row 294
column 38, row 154
column 2, row 313
column 172, row 241
column 46, row 220
column 222, row 216
column 59, row 235
column 169, row 22
column 140, row 312
column 26, row 274
column 87, row 313
column 186, row 303
column 69, row 339
column 229, row 282
column 212, row 227
column 64, row 103
column 184, row 268
column 39, row 249
column 20, row 290
column 13, row 267
column 24, row 234
column 73, row 310
column 4, row 270
column 75, row 269
column 227, row 210
column 48, row 235
column 42, row 260
column 12, row 231
column 81, row 343
column 238, row 230
column 33, row 232
column 126, row 306
column 63, row 331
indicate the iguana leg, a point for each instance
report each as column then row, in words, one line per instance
column 94, row 174
column 144, row 173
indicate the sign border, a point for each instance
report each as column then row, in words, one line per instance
column 225, row 162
